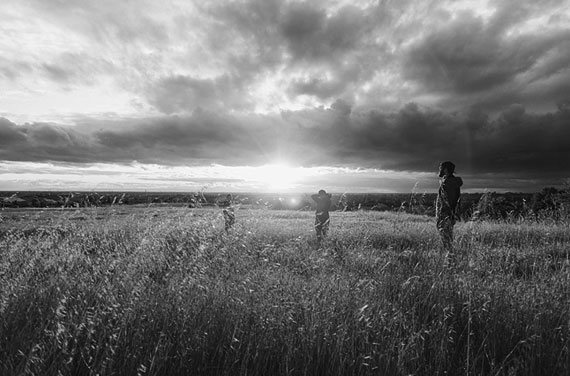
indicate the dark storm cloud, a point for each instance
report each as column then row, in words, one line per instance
column 10, row 134
column 342, row 44
column 515, row 143
column 44, row 142
column 417, row 139
column 203, row 137
column 299, row 38
column 461, row 58
column 443, row 60
column 311, row 35
column 490, row 63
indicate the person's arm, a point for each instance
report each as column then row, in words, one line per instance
column 315, row 198
column 444, row 193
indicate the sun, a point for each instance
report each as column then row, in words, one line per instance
column 277, row 176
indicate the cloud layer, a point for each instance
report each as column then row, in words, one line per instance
column 397, row 85
column 414, row 138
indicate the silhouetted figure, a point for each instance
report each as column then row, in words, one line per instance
column 322, row 218
column 447, row 203
column 228, row 210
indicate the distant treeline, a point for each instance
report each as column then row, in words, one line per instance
column 550, row 202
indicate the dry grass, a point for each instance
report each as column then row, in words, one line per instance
column 167, row 291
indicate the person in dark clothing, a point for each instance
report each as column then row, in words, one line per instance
column 322, row 218
column 228, row 210
column 447, row 203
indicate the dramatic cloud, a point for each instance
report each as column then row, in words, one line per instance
column 266, row 55
column 397, row 85
column 414, row 139
column 492, row 63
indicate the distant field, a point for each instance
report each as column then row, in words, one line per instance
column 138, row 290
column 496, row 205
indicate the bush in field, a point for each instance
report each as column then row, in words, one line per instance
column 169, row 292
column 551, row 203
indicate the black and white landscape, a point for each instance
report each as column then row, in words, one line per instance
column 266, row 187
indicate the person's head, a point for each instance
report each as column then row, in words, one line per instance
column 322, row 192
column 446, row 168
column 229, row 196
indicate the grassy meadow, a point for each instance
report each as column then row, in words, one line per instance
column 165, row 291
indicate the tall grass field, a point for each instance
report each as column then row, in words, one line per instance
column 166, row 291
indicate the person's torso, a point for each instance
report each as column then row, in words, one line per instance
column 227, row 204
column 449, row 192
column 323, row 205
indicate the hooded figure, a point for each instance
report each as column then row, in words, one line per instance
column 447, row 203
column 322, row 218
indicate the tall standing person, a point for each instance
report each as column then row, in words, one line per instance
column 447, row 203
column 322, row 217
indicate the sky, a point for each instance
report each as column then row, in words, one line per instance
column 267, row 95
